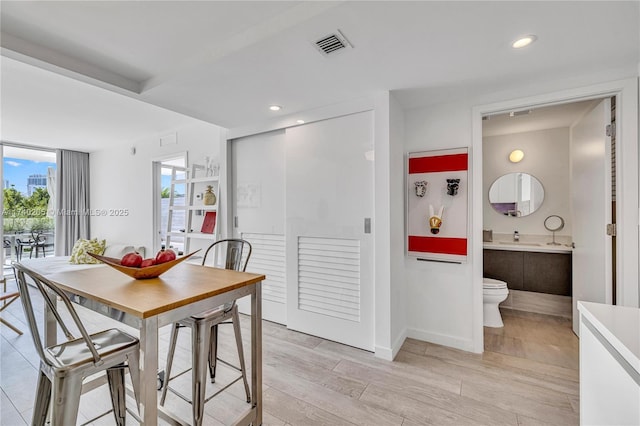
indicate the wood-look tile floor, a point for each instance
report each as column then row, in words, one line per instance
column 528, row 375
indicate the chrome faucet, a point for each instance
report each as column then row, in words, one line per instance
column 516, row 236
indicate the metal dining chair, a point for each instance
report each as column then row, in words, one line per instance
column 22, row 246
column 6, row 243
column 38, row 243
column 204, row 337
column 64, row 366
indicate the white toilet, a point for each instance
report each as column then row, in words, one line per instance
column 493, row 292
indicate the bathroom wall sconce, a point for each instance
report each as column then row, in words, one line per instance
column 516, row 156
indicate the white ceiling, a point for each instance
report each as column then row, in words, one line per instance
column 225, row 62
column 550, row 117
column 46, row 109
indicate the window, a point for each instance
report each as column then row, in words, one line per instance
column 28, row 183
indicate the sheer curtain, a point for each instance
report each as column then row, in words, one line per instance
column 51, row 189
column 72, row 199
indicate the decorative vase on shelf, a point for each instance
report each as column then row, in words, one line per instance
column 209, row 197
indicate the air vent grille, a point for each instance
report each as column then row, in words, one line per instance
column 332, row 43
column 519, row 113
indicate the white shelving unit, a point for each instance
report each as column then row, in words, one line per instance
column 196, row 210
column 185, row 235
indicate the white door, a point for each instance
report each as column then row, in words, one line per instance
column 591, row 208
column 258, row 209
column 329, row 196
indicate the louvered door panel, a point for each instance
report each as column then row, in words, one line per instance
column 268, row 258
column 329, row 277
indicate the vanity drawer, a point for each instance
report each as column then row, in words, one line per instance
column 506, row 266
column 530, row 271
column 547, row 273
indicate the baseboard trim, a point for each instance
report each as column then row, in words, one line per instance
column 395, row 348
column 383, row 353
column 389, row 354
column 441, row 339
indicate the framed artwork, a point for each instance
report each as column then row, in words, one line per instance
column 437, row 205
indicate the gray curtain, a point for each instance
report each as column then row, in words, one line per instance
column 72, row 199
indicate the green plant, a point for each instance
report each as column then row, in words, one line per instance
column 14, row 225
column 41, row 224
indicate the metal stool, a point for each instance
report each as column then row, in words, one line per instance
column 204, row 339
column 64, row 366
column 7, row 299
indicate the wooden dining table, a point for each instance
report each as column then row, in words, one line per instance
column 150, row 304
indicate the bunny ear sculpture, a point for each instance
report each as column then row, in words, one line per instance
column 435, row 221
column 421, row 188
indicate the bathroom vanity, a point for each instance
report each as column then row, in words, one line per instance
column 536, row 267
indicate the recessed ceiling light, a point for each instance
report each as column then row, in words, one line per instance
column 300, row 121
column 524, row 41
column 275, row 107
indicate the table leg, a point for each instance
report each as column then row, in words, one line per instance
column 256, row 351
column 149, row 371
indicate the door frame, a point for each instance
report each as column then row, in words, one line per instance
column 626, row 93
column 156, row 188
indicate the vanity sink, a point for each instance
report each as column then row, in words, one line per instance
column 540, row 247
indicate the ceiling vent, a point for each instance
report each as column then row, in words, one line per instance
column 332, row 43
column 519, row 113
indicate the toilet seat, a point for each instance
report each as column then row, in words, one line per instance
column 490, row 283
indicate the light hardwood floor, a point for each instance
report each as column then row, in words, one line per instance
column 528, row 375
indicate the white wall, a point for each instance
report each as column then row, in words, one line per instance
column 439, row 295
column 381, row 230
column 120, row 180
column 396, row 207
column 546, row 158
column 390, row 300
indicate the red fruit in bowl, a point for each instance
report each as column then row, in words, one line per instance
column 148, row 262
column 131, row 259
column 164, row 256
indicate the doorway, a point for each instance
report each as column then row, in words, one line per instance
column 169, row 211
column 563, row 150
column 626, row 208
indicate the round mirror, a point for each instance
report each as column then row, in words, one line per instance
column 554, row 223
column 516, row 194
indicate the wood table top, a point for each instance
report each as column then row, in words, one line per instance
column 180, row 286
